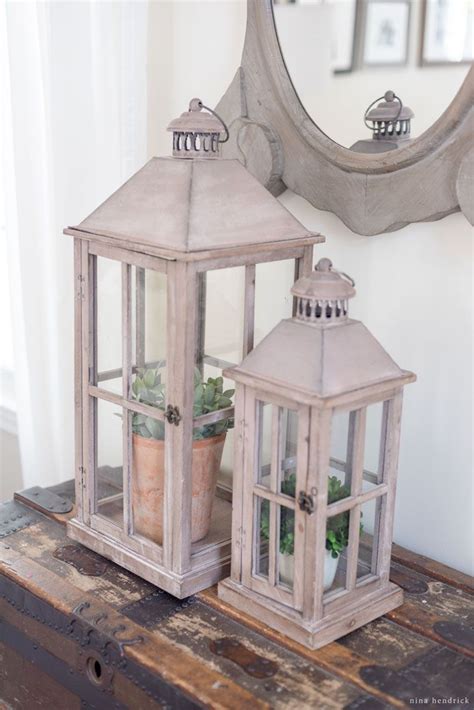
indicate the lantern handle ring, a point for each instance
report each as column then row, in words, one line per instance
column 345, row 276
column 224, row 140
column 326, row 264
column 393, row 120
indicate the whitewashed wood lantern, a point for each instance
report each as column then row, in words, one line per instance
column 318, row 424
column 390, row 123
column 167, row 278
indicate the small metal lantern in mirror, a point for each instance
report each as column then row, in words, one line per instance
column 390, row 123
column 154, row 414
column 317, row 421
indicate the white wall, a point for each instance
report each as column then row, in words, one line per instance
column 413, row 292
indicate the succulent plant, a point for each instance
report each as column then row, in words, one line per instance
column 209, row 396
column 337, row 531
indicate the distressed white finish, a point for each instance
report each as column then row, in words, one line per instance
column 193, row 205
column 276, row 139
column 332, row 366
column 180, row 217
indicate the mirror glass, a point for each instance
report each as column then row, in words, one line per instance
column 342, row 55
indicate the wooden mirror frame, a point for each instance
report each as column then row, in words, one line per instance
column 276, row 139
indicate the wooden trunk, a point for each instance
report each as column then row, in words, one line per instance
column 78, row 631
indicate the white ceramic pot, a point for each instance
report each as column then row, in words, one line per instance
column 286, row 565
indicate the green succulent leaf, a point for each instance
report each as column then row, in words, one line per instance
column 209, row 393
column 154, row 427
column 337, row 532
column 147, row 387
column 149, row 379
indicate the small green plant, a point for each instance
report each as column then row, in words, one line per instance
column 209, row 396
column 337, row 532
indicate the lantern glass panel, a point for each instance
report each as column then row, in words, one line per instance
column 148, row 299
column 340, row 452
column 107, row 369
column 261, row 534
column 109, row 422
column 370, row 523
column 337, row 539
column 219, row 341
column 286, row 546
column 264, row 446
column 373, row 441
column 147, row 477
column 272, row 304
column 220, row 315
column 275, row 535
column 149, row 332
column 288, row 428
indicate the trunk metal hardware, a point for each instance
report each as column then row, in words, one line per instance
column 14, row 517
column 253, row 664
column 85, row 561
column 43, row 499
column 100, row 655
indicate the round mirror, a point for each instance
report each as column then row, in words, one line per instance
column 344, row 55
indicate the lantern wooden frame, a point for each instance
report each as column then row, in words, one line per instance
column 178, row 565
column 304, row 611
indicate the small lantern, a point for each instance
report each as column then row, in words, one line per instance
column 390, row 123
column 318, row 426
column 167, row 281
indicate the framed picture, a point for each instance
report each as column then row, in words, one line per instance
column 447, row 35
column 343, row 34
column 386, row 25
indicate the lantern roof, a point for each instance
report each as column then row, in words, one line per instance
column 192, row 205
column 320, row 352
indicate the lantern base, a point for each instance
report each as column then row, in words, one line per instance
column 317, row 634
column 215, row 568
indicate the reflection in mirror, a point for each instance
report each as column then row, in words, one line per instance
column 342, row 55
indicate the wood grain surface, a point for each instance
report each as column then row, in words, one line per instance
column 218, row 657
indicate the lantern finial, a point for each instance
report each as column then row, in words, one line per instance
column 322, row 297
column 197, row 134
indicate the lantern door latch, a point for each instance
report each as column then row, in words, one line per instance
column 306, row 502
column 172, row 415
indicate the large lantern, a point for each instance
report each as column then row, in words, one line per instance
column 168, row 281
column 318, row 424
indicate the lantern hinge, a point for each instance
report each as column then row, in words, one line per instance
column 81, row 292
column 172, row 415
column 306, row 503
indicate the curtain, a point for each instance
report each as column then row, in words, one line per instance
column 74, row 125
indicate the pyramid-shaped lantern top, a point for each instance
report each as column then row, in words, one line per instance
column 320, row 353
column 195, row 201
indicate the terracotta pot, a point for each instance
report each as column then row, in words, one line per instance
column 148, row 478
